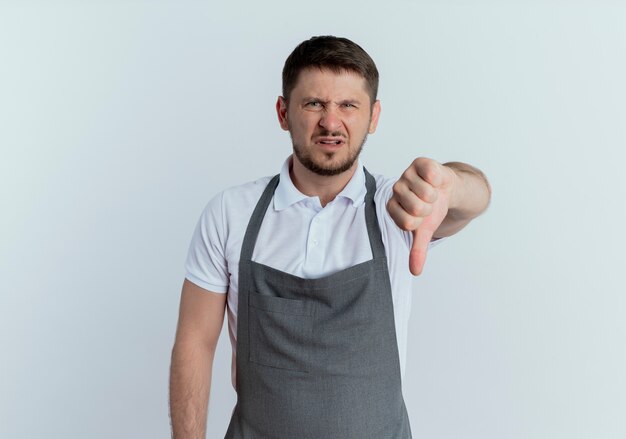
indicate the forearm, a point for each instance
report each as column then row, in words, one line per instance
column 470, row 197
column 190, row 384
column 472, row 191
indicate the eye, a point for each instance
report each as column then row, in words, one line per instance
column 349, row 105
column 314, row 104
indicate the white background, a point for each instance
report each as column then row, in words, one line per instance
column 119, row 120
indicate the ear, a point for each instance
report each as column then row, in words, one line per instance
column 281, row 111
column 375, row 116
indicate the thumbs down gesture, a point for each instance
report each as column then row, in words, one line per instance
column 419, row 204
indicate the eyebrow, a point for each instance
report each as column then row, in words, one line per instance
column 350, row 101
column 343, row 101
column 313, row 98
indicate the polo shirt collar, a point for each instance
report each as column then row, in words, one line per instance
column 287, row 194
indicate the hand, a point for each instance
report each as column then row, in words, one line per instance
column 419, row 204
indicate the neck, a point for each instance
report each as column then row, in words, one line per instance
column 326, row 187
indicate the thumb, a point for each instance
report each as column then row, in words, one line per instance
column 419, row 248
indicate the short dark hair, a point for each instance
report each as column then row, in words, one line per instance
column 334, row 53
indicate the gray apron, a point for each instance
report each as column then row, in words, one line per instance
column 317, row 358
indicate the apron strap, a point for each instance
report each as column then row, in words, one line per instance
column 373, row 230
column 252, row 232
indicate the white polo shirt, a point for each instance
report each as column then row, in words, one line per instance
column 299, row 237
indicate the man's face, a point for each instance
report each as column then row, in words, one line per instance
column 328, row 116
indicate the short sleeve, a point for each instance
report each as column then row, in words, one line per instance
column 206, row 264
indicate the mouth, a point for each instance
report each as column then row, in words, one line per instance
column 331, row 143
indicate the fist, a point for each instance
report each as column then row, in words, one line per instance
column 419, row 204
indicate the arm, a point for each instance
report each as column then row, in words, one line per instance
column 199, row 325
column 470, row 196
column 434, row 200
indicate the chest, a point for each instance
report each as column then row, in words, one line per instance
column 308, row 241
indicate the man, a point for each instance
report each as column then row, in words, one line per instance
column 314, row 267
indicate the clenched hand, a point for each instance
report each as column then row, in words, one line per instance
column 419, row 204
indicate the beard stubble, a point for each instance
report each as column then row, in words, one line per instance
column 308, row 162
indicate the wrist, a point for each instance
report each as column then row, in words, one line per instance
column 456, row 188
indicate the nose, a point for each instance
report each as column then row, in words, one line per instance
column 330, row 120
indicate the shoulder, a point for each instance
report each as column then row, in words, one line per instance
column 232, row 204
column 243, row 194
column 239, row 195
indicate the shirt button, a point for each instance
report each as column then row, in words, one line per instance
column 314, row 242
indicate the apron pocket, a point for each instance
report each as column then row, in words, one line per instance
column 280, row 332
